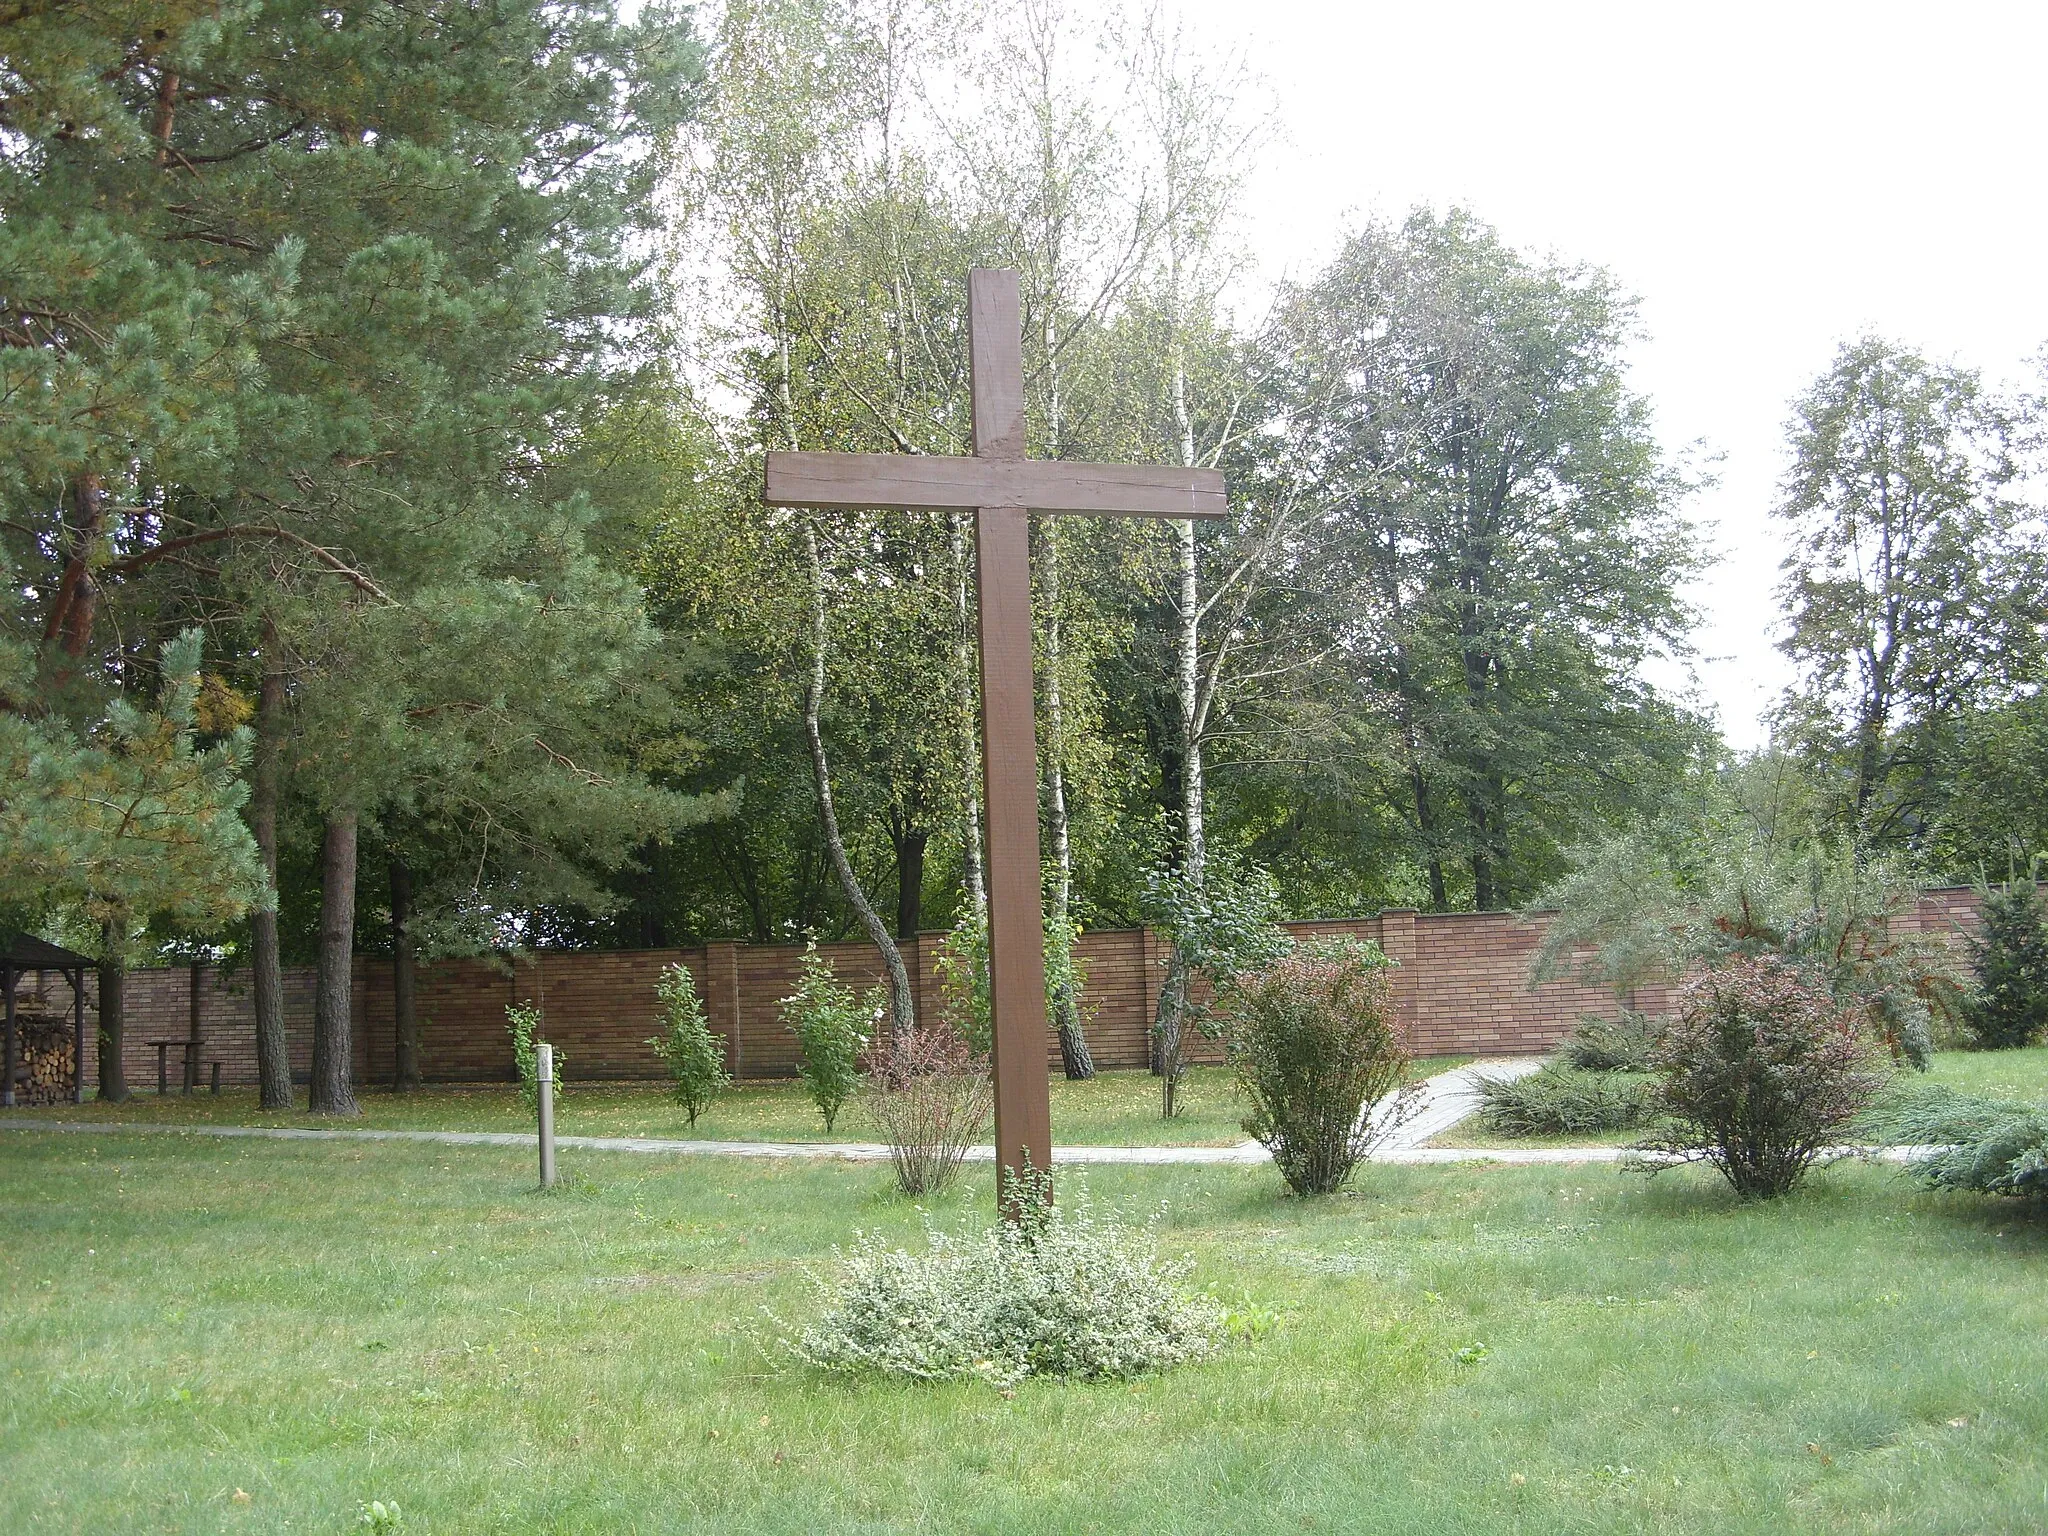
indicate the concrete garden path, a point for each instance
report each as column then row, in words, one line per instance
column 1444, row 1100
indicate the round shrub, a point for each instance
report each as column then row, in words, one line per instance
column 1561, row 1100
column 1763, row 1073
column 1066, row 1293
column 1314, row 1045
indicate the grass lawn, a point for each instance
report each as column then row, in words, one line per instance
column 226, row 1337
column 1115, row 1109
column 2017, row 1074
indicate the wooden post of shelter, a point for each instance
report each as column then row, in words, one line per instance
column 1002, row 488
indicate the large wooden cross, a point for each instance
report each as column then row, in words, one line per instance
column 1002, row 488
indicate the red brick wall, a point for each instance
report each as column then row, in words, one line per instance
column 1462, row 986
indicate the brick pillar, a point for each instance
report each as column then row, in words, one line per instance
column 1397, row 938
column 722, row 997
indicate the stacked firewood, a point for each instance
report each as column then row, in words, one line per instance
column 43, row 1065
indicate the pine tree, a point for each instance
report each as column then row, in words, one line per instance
column 2010, row 1007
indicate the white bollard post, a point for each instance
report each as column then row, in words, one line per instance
column 544, row 1081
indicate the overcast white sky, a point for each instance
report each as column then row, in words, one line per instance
column 1770, row 179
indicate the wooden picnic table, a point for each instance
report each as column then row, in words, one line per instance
column 191, row 1049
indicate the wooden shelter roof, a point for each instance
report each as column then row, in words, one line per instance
column 26, row 952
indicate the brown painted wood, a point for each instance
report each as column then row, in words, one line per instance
column 995, row 360
column 1002, row 488
column 851, row 482
column 1009, row 767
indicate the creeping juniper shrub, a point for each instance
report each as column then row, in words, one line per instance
column 1624, row 1043
column 1763, row 1073
column 1065, row 1292
column 1561, row 1100
column 1982, row 1145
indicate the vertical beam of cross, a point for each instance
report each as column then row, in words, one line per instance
column 1002, row 488
column 1009, row 740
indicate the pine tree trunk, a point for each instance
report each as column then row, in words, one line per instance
column 113, row 976
column 333, row 1091
column 405, row 1055
column 273, row 1059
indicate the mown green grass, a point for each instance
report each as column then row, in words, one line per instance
column 2017, row 1074
column 320, row 1324
column 1114, row 1109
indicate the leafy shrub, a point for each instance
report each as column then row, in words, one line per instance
column 1987, row 1146
column 694, row 1056
column 1561, row 1100
column 832, row 1028
column 930, row 1095
column 524, row 1021
column 2010, row 1005
column 964, row 980
column 1314, row 1046
column 1624, row 1043
column 1066, row 1293
column 1224, row 923
column 1763, row 1072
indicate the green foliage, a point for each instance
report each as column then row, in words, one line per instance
column 1226, row 923
column 963, row 970
column 1624, row 1043
column 1069, row 1294
column 379, row 1517
column 694, row 1056
column 127, row 813
column 1519, row 504
column 1314, row 1046
column 524, row 1022
column 2010, row 1004
column 1564, row 1100
column 330, row 314
column 1982, row 1145
column 1765, row 1073
column 1730, row 879
column 1913, row 588
column 832, row 1026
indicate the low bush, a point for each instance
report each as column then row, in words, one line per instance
column 930, row 1095
column 1763, row 1073
column 694, row 1056
column 523, row 1021
column 1314, row 1045
column 1986, row 1146
column 832, row 1025
column 2010, row 1004
column 1561, row 1100
column 1065, row 1293
column 1624, row 1043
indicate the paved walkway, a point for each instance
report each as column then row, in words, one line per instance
column 1444, row 1100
